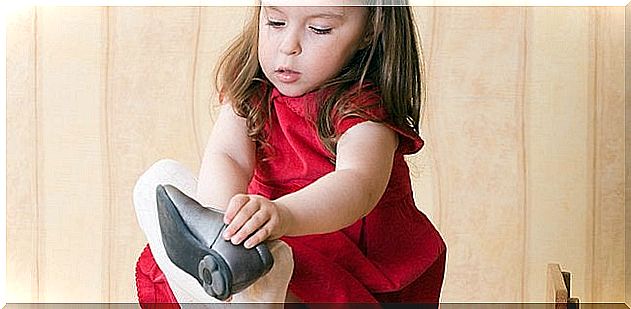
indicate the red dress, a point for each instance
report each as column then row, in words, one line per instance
column 394, row 254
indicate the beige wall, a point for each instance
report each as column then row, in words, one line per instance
column 627, row 57
column 523, row 164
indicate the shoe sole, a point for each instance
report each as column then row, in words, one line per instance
column 186, row 251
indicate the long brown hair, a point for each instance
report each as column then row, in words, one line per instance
column 393, row 62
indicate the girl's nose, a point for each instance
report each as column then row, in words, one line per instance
column 291, row 45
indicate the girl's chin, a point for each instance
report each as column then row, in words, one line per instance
column 290, row 91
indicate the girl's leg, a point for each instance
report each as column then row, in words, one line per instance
column 271, row 288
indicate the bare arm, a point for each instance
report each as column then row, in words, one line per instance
column 336, row 200
column 228, row 162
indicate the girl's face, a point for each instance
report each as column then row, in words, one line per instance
column 300, row 48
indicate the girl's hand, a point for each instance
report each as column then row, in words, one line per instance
column 254, row 218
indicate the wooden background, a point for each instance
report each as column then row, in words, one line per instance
column 627, row 130
column 524, row 162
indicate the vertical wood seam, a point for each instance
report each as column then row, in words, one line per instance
column 438, row 197
column 107, row 162
column 193, row 86
column 593, row 127
column 432, row 45
column 524, row 153
column 626, row 90
column 433, row 49
column 38, row 162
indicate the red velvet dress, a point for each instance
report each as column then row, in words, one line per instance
column 394, row 254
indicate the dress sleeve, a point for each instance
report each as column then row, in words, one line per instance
column 370, row 109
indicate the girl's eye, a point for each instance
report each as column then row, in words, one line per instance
column 317, row 30
column 275, row 24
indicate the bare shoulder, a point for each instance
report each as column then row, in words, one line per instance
column 368, row 144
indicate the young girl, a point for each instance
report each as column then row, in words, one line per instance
column 320, row 105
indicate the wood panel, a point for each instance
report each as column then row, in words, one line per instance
column 559, row 143
column 475, row 119
column 609, row 182
column 21, row 142
column 627, row 57
column 149, row 114
column 72, row 186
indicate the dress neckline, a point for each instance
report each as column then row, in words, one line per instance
column 300, row 104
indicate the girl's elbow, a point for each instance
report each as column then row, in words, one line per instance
column 373, row 195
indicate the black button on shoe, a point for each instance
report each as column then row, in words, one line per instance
column 192, row 240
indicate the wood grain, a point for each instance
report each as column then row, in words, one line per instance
column 22, row 153
column 149, row 114
column 609, row 181
column 72, row 188
column 475, row 120
column 559, row 139
column 627, row 123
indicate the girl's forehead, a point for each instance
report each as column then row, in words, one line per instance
column 330, row 12
column 314, row 2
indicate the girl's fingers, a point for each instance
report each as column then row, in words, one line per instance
column 262, row 234
column 235, row 204
column 245, row 213
column 254, row 223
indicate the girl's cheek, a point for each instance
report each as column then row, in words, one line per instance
column 264, row 42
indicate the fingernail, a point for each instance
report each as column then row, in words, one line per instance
column 247, row 245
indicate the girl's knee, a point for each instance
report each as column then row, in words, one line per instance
column 166, row 164
column 158, row 173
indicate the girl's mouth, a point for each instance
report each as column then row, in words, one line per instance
column 287, row 75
